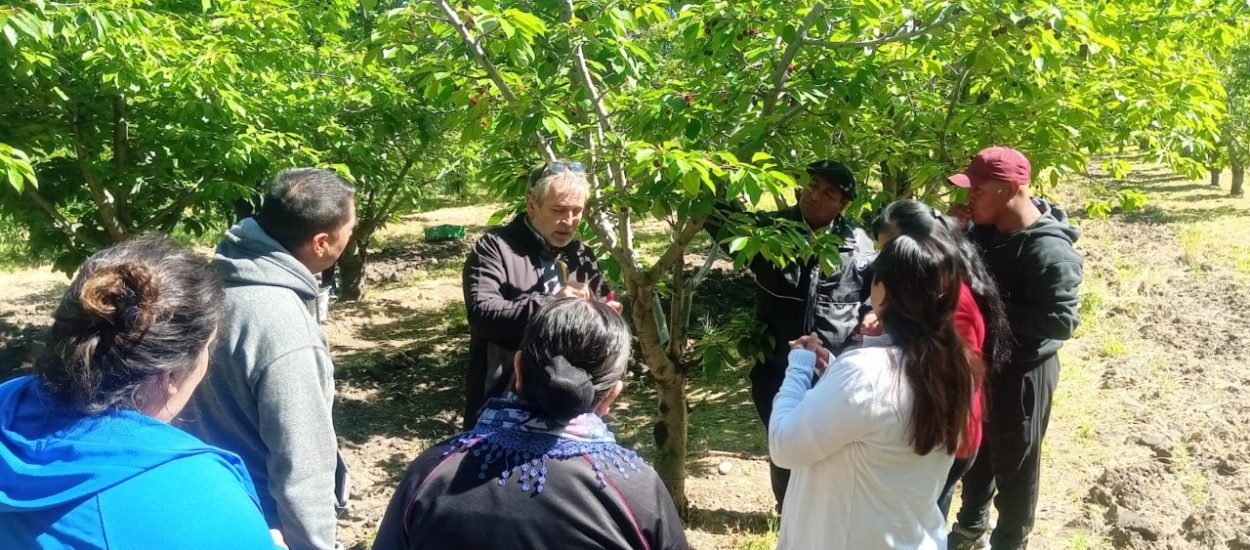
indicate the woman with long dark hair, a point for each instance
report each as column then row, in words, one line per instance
column 89, row 457
column 871, row 443
column 980, row 317
column 540, row 469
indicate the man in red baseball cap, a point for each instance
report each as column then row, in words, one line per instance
column 994, row 177
column 1027, row 245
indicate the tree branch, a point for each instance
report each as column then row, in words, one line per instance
column 47, row 208
column 713, row 251
column 104, row 211
column 475, row 49
column 897, row 35
column 121, row 158
column 169, row 216
column 956, row 96
column 782, row 70
column 623, row 244
column 675, row 249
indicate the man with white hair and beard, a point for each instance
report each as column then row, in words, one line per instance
column 515, row 269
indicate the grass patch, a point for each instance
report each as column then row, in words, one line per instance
column 1196, row 491
column 1087, row 541
column 1092, row 306
column 1113, row 346
column 763, row 541
column 1191, row 245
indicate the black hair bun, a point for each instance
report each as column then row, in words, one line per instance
column 561, row 389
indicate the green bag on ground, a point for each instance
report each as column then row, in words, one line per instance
column 439, row 233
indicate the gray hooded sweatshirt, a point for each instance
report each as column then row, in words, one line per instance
column 270, row 387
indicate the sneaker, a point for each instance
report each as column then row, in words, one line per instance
column 962, row 538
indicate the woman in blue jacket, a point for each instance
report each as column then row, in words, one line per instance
column 87, row 456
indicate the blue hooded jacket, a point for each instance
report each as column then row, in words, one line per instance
column 118, row 479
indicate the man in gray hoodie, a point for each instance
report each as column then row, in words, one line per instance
column 270, row 387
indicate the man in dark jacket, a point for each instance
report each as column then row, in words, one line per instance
column 799, row 298
column 1027, row 245
column 515, row 269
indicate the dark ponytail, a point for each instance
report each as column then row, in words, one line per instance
column 572, row 354
column 914, row 218
column 921, row 279
column 134, row 311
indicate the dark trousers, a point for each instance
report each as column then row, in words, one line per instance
column 489, row 375
column 1009, row 460
column 958, row 469
column 765, row 383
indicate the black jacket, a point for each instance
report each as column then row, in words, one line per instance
column 1038, row 273
column 451, row 502
column 508, row 277
column 797, row 299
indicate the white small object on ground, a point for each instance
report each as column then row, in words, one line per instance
column 725, row 467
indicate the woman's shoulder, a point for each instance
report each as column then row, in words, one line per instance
column 160, row 492
column 207, row 474
column 868, row 357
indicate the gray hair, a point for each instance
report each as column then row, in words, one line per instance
column 136, row 310
column 569, row 179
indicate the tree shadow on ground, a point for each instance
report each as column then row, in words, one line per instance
column 1152, row 215
column 721, row 521
column 23, row 326
column 18, row 346
column 415, row 391
column 1152, row 177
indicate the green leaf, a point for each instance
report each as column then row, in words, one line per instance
column 737, row 244
column 15, row 178
column 782, row 177
column 206, row 5
column 693, row 128
column 527, row 22
column 10, row 34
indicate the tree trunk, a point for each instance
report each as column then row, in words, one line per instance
column 352, row 266
column 1215, row 177
column 1237, row 154
column 896, row 183
column 671, row 428
column 670, row 439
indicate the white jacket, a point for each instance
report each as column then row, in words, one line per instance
column 856, row 482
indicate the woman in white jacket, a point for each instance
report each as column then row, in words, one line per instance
column 870, row 444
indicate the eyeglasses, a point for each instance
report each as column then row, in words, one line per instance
column 556, row 167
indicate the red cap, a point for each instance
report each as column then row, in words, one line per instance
column 995, row 163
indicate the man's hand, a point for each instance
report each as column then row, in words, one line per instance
column 962, row 214
column 870, row 326
column 811, row 343
column 574, row 289
column 615, row 305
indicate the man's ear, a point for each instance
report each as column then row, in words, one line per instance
column 516, row 372
column 320, row 244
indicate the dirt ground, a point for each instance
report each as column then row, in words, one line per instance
column 1148, row 442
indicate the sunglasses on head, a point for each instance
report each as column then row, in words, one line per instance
column 557, row 167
